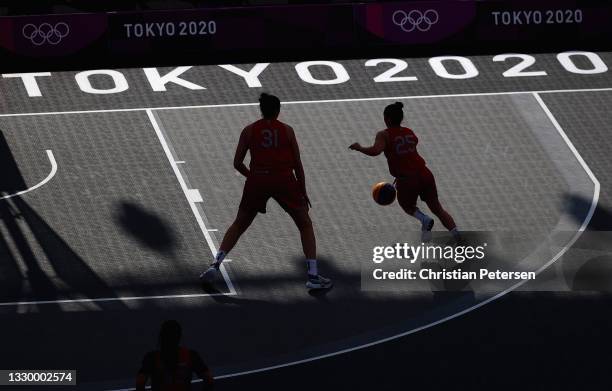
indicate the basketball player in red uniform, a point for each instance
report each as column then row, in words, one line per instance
column 275, row 171
column 412, row 177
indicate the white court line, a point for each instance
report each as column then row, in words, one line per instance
column 306, row 102
column 127, row 298
column 569, row 244
column 42, row 183
column 186, row 191
column 571, row 146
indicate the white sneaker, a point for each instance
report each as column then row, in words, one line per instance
column 210, row 274
column 318, row 282
column 426, row 227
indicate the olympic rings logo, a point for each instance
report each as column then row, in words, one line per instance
column 415, row 19
column 45, row 33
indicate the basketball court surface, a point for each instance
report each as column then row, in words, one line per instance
column 119, row 186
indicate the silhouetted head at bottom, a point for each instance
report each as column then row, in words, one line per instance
column 169, row 340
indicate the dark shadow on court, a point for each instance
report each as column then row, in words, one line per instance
column 254, row 329
column 597, row 234
column 11, row 180
column 22, row 274
column 15, row 282
column 11, row 279
column 67, row 264
column 595, row 274
column 579, row 207
column 145, row 226
column 222, row 297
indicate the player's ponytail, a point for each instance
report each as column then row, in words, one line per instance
column 269, row 105
column 394, row 113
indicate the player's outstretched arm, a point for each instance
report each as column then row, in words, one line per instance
column 376, row 149
column 241, row 150
column 299, row 168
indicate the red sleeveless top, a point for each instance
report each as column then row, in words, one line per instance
column 270, row 146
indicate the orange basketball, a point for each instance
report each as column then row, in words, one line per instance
column 383, row 193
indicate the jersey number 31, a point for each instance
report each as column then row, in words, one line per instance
column 270, row 138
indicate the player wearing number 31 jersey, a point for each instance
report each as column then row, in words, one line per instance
column 412, row 177
column 275, row 171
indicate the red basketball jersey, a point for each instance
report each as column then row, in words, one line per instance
column 270, row 146
column 401, row 152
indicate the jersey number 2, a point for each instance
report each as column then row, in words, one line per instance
column 404, row 145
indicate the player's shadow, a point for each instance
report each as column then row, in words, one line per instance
column 40, row 265
column 145, row 226
column 596, row 273
column 222, row 297
column 67, row 265
column 11, row 180
column 12, row 278
column 578, row 207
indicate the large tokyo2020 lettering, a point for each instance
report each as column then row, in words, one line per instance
column 328, row 73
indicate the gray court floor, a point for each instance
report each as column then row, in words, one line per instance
column 500, row 164
column 87, row 227
column 112, row 244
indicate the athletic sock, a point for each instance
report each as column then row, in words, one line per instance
column 312, row 267
column 422, row 217
column 220, row 257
